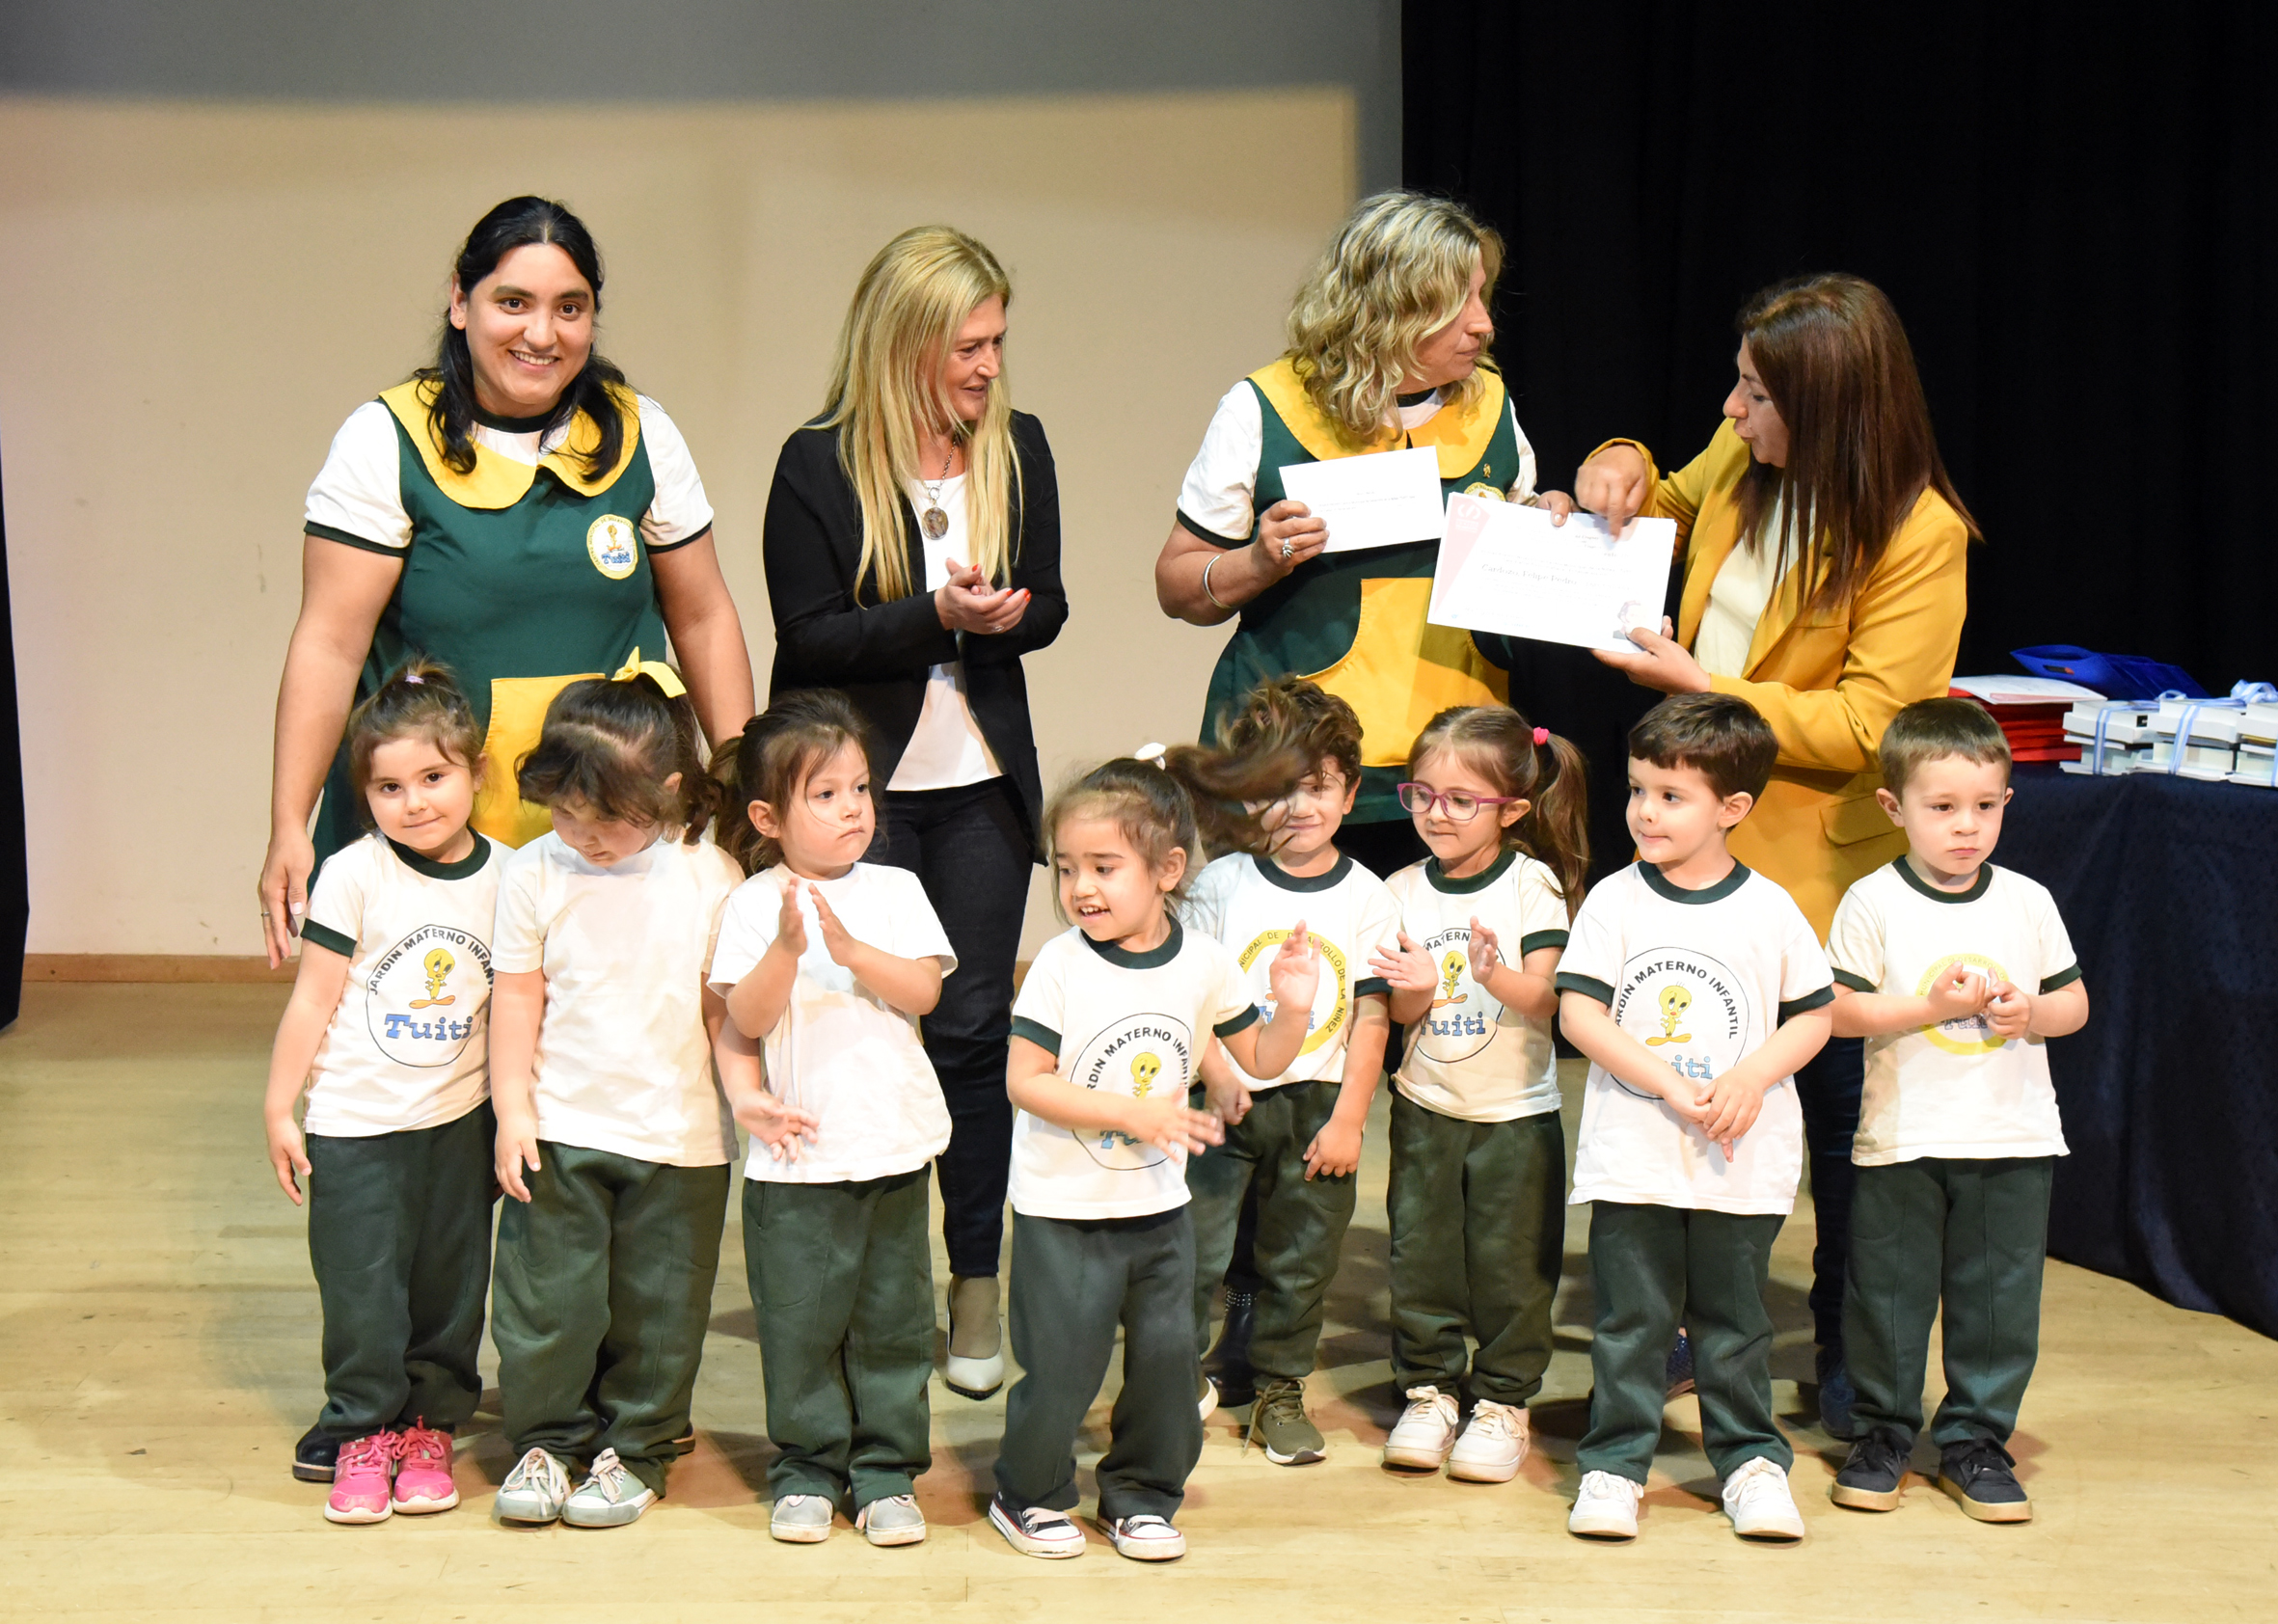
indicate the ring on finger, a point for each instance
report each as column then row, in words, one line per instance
column 1288, row 547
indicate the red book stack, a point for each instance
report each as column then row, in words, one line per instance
column 2031, row 711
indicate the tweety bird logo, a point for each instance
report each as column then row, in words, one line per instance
column 1451, row 972
column 1675, row 1002
column 1145, row 1069
column 439, row 967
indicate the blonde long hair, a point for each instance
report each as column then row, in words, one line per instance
column 1396, row 272
column 885, row 379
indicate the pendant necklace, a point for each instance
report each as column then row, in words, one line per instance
column 934, row 521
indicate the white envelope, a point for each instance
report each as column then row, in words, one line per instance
column 1381, row 500
column 1509, row 568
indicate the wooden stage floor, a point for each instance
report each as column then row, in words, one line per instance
column 158, row 1358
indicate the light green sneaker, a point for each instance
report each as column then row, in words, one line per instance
column 533, row 1492
column 1280, row 1425
column 610, row 1496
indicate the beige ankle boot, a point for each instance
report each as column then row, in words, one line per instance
column 976, row 1365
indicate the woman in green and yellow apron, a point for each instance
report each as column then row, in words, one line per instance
column 514, row 511
column 1388, row 346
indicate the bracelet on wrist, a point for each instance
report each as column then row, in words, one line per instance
column 1208, row 564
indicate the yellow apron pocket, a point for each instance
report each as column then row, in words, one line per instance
column 517, row 716
column 1402, row 671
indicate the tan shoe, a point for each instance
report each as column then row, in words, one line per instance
column 976, row 1364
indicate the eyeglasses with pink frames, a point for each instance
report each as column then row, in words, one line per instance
column 1462, row 808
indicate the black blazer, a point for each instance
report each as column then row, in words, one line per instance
column 880, row 655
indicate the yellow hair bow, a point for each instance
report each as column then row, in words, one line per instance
column 656, row 670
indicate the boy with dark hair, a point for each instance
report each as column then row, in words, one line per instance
column 1695, row 988
column 1955, row 972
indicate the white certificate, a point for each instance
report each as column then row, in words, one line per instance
column 1380, row 499
column 1507, row 568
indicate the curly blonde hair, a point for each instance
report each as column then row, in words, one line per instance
column 1397, row 271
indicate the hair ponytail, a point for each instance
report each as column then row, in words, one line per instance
column 771, row 759
column 1501, row 744
column 612, row 745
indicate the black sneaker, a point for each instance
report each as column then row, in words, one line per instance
column 315, row 1455
column 1874, row 1476
column 1977, row 1474
column 1227, row 1364
column 1676, row 1375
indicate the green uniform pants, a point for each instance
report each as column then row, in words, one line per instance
column 1478, row 1232
column 1655, row 1268
column 399, row 1238
column 1073, row 1281
column 1301, row 1224
column 602, row 1297
column 1974, row 1233
column 842, row 1284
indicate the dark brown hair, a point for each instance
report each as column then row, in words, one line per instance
column 1198, row 800
column 420, row 700
column 1500, row 743
column 610, row 746
column 1833, row 358
column 1296, row 713
column 771, row 759
column 1720, row 736
column 1929, row 729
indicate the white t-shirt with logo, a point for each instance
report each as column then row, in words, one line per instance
column 1470, row 1056
column 1249, row 905
column 409, row 1046
column 623, row 1061
column 1131, row 1023
column 1702, row 978
column 1956, row 1089
column 840, row 1050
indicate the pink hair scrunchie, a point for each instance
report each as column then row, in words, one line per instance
column 1541, row 737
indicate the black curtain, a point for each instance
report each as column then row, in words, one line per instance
column 15, row 905
column 2069, row 203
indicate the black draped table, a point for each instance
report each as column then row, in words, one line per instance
column 2170, row 1094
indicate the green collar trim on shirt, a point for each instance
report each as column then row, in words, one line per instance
column 1977, row 886
column 471, row 863
column 1662, row 886
column 513, row 426
column 1275, row 875
column 1478, row 881
column 1154, row 959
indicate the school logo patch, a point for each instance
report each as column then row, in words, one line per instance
column 1325, row 1023
column 1147, row 1057
column 1689, row 1009
column 1464, row 1015
column 614, row 545
column 1970, row 1033
column 423, row 997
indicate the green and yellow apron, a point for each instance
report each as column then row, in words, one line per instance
column 522, row 579
column 1354, row 622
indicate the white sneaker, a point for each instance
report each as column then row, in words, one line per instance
column 1146, row 1539
column 1492, row 1445
column 894, row 1520
column 1208, row 1401
column 1606, row 1508
column 1036, row 1531
column 1757, row 1499
column 610, row 1496
column 534, row 1491
column 1426, row 1431
column 800, row 1519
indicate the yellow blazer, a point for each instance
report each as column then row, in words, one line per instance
column 1828, row 682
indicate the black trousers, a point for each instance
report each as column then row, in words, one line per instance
column 969, row 849
column 1828, row 1089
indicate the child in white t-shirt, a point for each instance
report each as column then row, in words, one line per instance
column 386, row 1030
column 1478, row 1157
column 1695, row 988
column 1105, row 1034
column 832, row 961
column 1292, row 1142
column 614, row 1139
column 1956, row 973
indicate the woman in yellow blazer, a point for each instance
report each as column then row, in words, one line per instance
column 1825, row 584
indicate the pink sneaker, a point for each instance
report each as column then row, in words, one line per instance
column 422, row 1472
column 360, row 1481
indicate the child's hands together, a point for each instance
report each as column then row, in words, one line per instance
column 287, row 1154
column 775, row 1123
column 791, row 925
column 1731, row 1104
column 1228, row 1098
column 1406, row 969
column 1958, row 994
column 1295, row 974
column 1485, row 952
column 836, row 941
column 1168, row 1125
column 1335, row 1151
column 2009, row 1011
